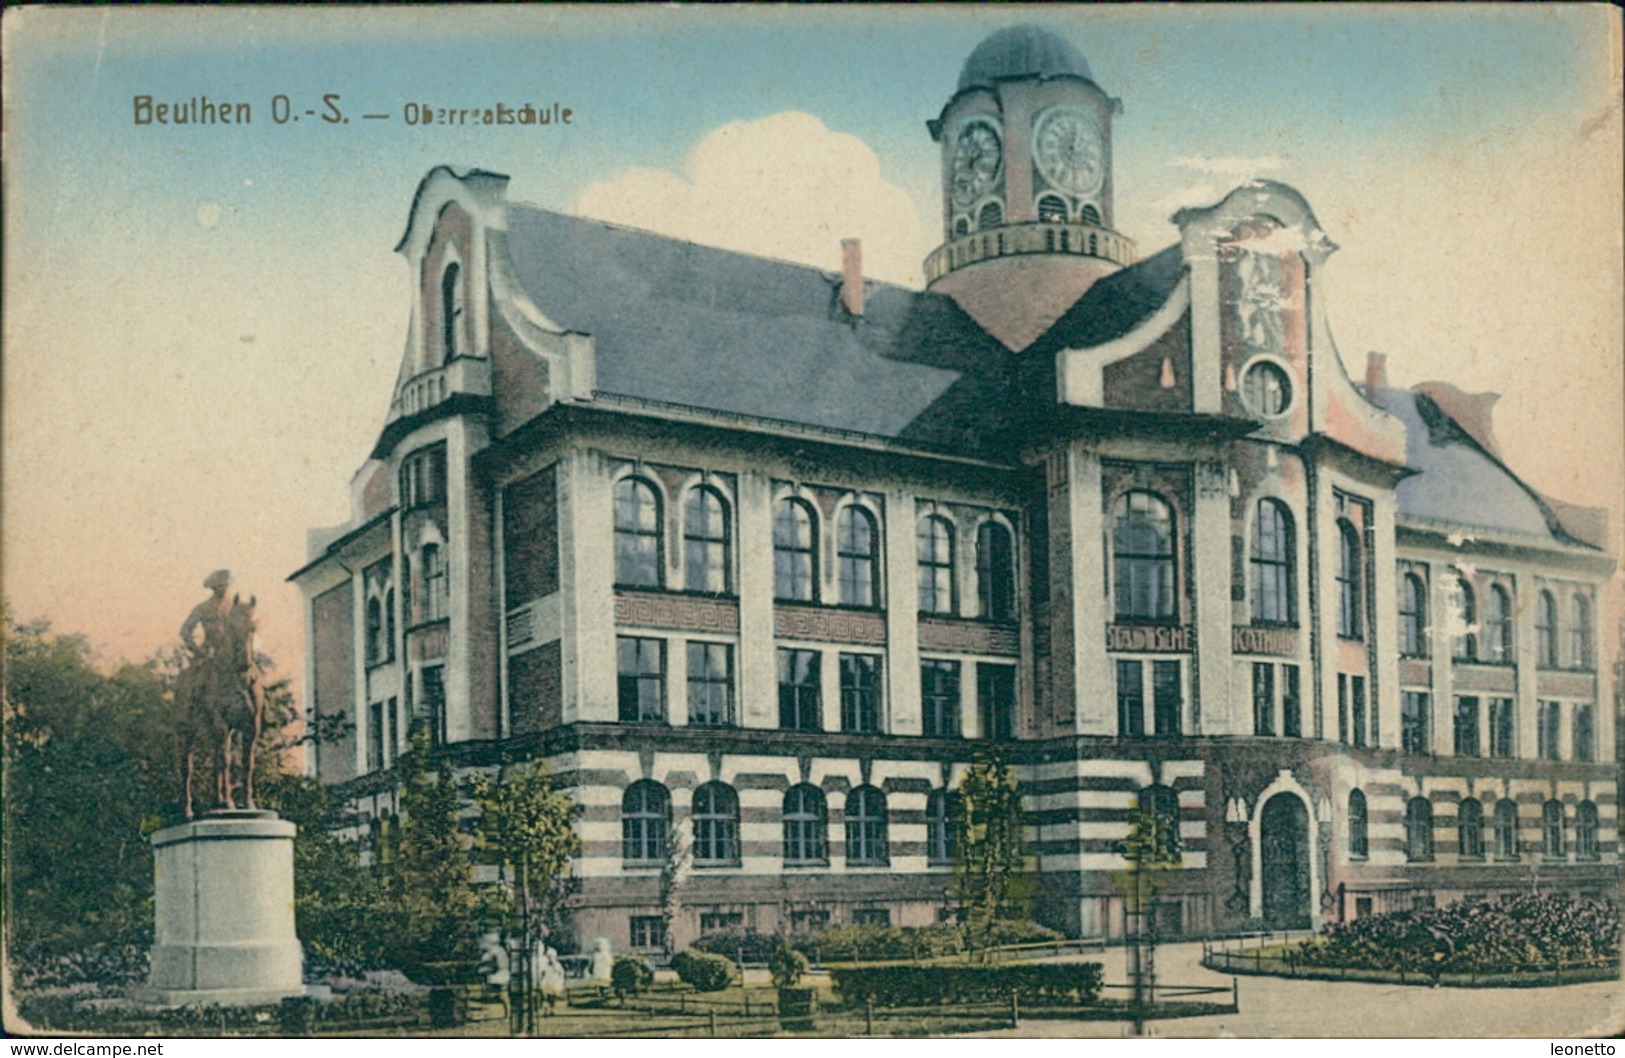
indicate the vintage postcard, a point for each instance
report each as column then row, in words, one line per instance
column 675, row 522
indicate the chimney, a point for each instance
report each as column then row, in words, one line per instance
column 1376, row 372
column 852, row 276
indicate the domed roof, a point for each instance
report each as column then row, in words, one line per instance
column 1022, row 51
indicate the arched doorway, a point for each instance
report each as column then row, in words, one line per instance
column 1284, row 862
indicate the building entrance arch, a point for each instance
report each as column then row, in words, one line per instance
column 1284, row 862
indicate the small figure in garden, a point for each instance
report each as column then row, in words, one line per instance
column 603, row 959
column 550, row 972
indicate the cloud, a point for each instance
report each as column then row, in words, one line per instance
column 783, row 186
column 1235, row 168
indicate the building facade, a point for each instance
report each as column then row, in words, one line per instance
column 771, row 554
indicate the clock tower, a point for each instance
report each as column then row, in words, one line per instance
column 1027, row 195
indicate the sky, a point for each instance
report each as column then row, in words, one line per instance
column 203, row 323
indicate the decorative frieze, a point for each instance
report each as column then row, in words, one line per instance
column 969, row 637
column 824, row 625
column 682, row 613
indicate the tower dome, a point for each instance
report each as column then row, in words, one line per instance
column 1022, row 51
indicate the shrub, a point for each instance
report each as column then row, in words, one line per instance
column 746, row 945
column 786, row 965
column 630, row 975
column 703, row 971
column 915, row 985
column 879, row 943
column 1011, row 931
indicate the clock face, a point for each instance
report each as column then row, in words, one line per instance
column 978, row 159
column 1069, row 150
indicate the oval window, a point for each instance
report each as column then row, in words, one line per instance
column 1266, row 389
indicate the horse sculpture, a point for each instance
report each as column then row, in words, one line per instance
column 220, row 697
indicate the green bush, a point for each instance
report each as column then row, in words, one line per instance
column 747, row 945
column 916, row 985
column 630, row 975
column 1530, row 932
column 880, row 943
column 1010, row 931
column 786, row 965
column 703, row 971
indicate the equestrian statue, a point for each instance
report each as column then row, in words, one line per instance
column 220, row 695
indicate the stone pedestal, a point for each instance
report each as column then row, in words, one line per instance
column 223, row 910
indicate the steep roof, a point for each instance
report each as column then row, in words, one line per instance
column 686, row 324
column 1459, row 481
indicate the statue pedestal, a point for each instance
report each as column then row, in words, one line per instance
column 223, row 910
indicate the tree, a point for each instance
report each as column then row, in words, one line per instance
column 342, row 910
column 437, row 908
column 87, row 768
column 677, row 856
column 529, row 826
column 990, row 856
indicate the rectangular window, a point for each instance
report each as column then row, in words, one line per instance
column 648, row 932
column 1357, row 705
column 1503, row 727
column 1585, row 734
column 811, row 920
column 939, row 698
column 1466, row 727
column 392, row 736
column 1413, row 721
column 1263, row 698
column 1167, row 700
column 710, row 684
column 1342, row 707
column 436, row 585
column 1130, row 700
column 1291, row 703
column 996, row 699
column 720, row 921
column 641, row 685
column 1549, row 730
column 434, row 702
column 375, row 736
column 800, row 704
column 871, row 916
column 860, row 693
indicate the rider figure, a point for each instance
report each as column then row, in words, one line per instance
column 211, row 615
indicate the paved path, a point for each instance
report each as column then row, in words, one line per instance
column 1276, row 1006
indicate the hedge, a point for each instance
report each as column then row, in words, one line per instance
column 74, row 1014
column 915, row 985
column 703, row 971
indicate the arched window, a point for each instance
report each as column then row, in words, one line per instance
column 939, row 827
column 1466, row 648
column 935, row 540
column 451, row 310
column 1090, row 215
column 866, row 827
column 1143, row 558
column 436, row 603
column 706, row 542
column 1551, row 829
column 645, row 815
column 961, row 226
column 1546, row 630
column 795, row 566
column 1419, row 829
column 375, row 631
column 389, row 625
column 637, row 534
column 995, row 572
column 1413, row 616
column 805, row 824
column 1051, row 209
column 1498, row 625
column 1359, row 835
column 716, row 824
column 1506, row 829
column 857, row 547
column 1349, row 580
column 1585, row 832
column 1470, row 829
column 1272, row 561
column 991, row 216
column 1580, row 632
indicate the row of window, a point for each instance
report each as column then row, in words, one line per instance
column 714, row 817
column 1052, row 209
column 641, row 689
column 1419, row 829
column 708, row 561
column 649, row 931
column 1501, row 725
column 1489, row 638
